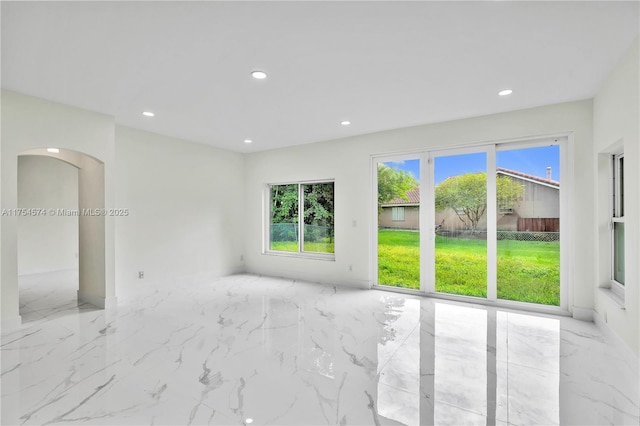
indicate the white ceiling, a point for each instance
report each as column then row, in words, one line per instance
column 381, row 65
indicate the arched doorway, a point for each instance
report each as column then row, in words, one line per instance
column 47, row 237
column 91, row 217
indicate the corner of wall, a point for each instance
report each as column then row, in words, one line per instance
column 616, row 127
column 10, row 324
column 582, row 314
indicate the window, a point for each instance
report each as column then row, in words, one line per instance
column 301, row 218
column 397, row 214
column 617, row 224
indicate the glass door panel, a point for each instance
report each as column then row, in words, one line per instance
column 461, row 224
column 399, row 223
column 528, row 224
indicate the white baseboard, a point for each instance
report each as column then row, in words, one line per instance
column 111, row 303
column 108, row 303
column 582, row 314
column 312, row 278
column 11, row 324
column 71, row 271
column 610, row 334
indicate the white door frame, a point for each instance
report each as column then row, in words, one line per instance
column 427, row 217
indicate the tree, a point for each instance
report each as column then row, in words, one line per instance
column 467, row 195
column 392, row 184
column 318, row 209
column 284, row 203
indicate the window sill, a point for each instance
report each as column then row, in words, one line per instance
column 616, row 298
column 314, row 256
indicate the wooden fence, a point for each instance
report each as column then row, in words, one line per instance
column 537, row 224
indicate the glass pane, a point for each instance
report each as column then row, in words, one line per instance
column 618, row 252
column 318, row 217
column 399, row 224
column 461, row 224
column 621, row 186
column 528, row 224
column 284, row 218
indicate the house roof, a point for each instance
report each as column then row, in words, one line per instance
column 526, row 176
column 414, row 194
column 414, row 199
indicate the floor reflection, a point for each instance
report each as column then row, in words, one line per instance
column 291, row 353
column 460, row 353
column 399, row 361
column 528, row 369
column 480, row 366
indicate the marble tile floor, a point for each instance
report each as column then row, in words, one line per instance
column 255, row 350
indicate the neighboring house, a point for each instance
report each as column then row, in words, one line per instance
column 400, row 213
column 539, row 210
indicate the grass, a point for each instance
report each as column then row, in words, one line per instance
column 399, row 258
column 461, row 266
column 527, row 271
column 292, row 246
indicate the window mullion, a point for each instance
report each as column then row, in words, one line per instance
column 300, row 219
column 492, row 220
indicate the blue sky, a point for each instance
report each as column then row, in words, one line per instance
column 533, row 161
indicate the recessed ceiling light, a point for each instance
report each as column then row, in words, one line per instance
column 53, row 150
column 345, row 122
column 505, row 92
column 248, row 421
column 148, row 114
column 259, row 75
column 248, row 141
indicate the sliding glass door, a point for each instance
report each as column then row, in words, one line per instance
column 482, row 221
column 528, row 224
column 398, row 227
column 460, row 207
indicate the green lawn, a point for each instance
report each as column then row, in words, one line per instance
column 461, row 266
column 315, row 247
column 527, row 271
column 399, row 258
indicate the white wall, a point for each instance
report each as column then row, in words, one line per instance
column 348, row 162
column 616, row 125
column 185, row 202
column 47, row 242
column 30, row 123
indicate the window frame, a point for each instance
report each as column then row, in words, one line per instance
column 301, row 253
column 616, row 216
column 565, row 141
